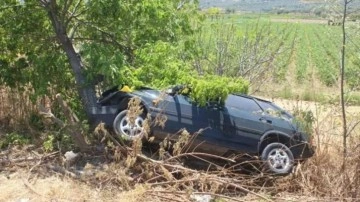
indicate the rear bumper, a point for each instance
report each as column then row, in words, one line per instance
column 102, row 114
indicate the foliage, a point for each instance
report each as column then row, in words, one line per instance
column 48, row 144
column 14, row 138
column 211, row 89
column 137, row 35
column 162, row 68
column 235, row 46
column 29, row 51
column 106, row 34
column 305, row 120
column 57, row 140
column 159, row 65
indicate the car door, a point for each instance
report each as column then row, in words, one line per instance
column 181, row 113
column 203, row 122
column 243, row 123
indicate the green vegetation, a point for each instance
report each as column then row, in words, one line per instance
column 312, row 47
column 305, row 119
column 301, row 51
column 14, row 138
column 210, row 89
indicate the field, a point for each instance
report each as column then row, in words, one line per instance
column 302, row 56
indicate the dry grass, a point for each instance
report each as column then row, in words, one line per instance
column 16, row 107
column 133, row 177
column 323, row 175
column 60, row 188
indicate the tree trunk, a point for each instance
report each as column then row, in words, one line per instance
column 86, row 90
column 342, row 80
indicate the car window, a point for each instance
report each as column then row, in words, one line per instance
column 272, row 109
column 243, row 103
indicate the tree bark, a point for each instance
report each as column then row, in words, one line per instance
column 342, row 91
column 85, row 89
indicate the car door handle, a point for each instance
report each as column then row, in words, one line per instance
column 264, row 120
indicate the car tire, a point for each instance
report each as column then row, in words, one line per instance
column 278, row 158
column 127, row 130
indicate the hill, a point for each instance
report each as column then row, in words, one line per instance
column 263, row 5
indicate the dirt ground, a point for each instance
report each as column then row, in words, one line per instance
column 28, row 178
column 14, row 187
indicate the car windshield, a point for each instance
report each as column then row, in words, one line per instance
column 273, row 110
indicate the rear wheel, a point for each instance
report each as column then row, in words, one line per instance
column 126, row 128
column 278, row 158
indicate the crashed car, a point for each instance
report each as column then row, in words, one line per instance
column 243, row 124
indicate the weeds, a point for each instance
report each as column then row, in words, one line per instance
column 13, row 138
column 16, row 107
column 162, row 175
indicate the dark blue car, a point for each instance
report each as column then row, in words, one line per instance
column 243, row 124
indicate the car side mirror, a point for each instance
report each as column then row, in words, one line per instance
column 174, row 90
column 170, row 91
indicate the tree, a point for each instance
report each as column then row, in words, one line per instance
column 342, row 9
column 213, row 12
column 349, row 48
column 62, row 42
column 248, row 52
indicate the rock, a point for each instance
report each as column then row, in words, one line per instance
column 23, row 200
column 201, row 198
column 71, row 158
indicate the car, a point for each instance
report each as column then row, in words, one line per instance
column 243, row 124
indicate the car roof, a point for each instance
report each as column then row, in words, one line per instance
column 250, row 97
column 236, row 94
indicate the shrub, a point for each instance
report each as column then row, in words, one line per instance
column 13, row 138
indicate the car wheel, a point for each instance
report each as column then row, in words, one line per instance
column 278, row 158
column 124, row 128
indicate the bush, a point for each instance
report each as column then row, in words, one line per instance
column 160, row 69
column 215, row 89
column 13, row 138
column 305, row 120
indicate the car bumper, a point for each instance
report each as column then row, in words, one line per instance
column 102, row 114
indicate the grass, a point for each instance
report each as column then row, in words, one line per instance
column 286, row 93
column 353, row 98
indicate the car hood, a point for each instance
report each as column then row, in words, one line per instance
column 147, row 93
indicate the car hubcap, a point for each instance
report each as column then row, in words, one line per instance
column 131, row 129
column 279, row 160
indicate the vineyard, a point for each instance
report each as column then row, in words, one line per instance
column 299, row 53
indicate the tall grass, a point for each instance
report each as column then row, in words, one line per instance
column 16, row 107
column 323, row 176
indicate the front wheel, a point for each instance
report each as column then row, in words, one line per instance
column 126, row 128
column 278, row 158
